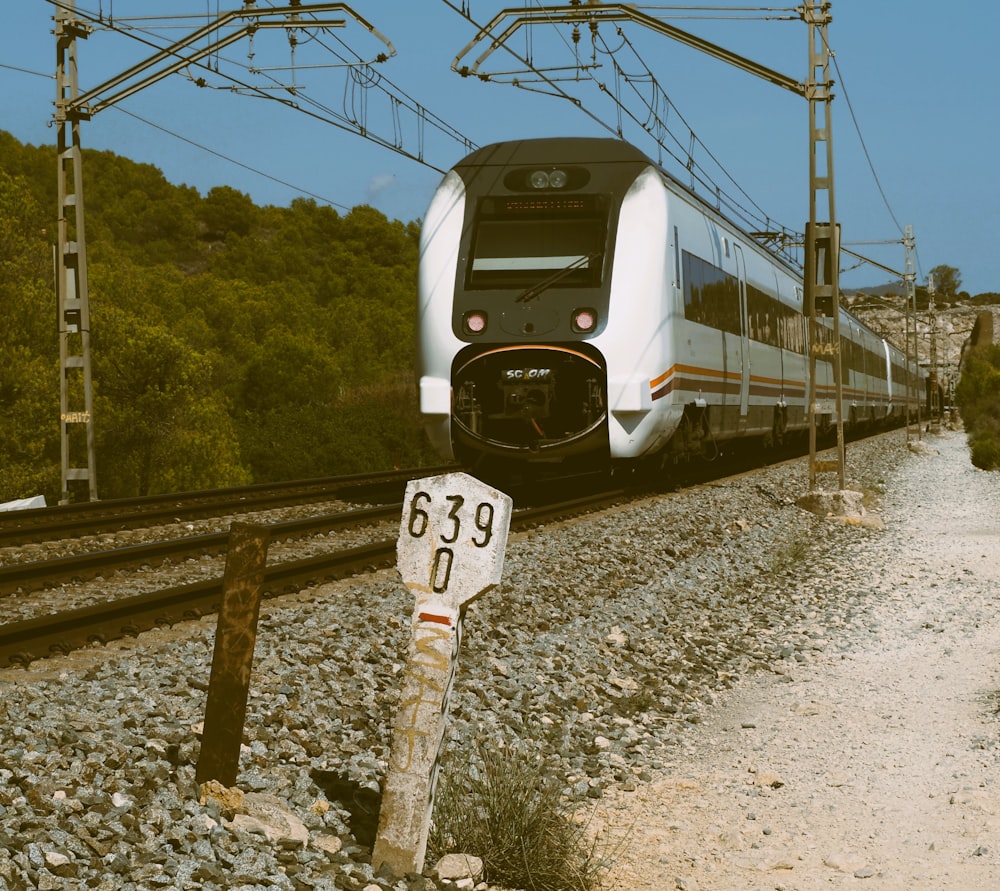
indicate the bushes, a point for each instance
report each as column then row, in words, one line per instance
column 508, row 811
column 978, row 397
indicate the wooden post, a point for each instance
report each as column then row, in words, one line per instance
column 232, row 661
column 452, row 540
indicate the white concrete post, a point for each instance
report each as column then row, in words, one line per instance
column 452, row 539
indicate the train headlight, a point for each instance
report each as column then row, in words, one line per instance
column 539, row 180
column 474, row 322
column 584, row 320
column 548, row 179
column 558, row 179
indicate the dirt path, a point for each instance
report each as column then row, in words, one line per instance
column 877, row 767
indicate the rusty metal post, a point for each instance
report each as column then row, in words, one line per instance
column 232, row 661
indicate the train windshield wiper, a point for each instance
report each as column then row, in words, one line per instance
column 547, row 282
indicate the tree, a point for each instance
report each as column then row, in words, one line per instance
column 29, row 440
column 29, row 349
column 226, row 210
column 947, row 281
column 161, row 426
column 978, row 397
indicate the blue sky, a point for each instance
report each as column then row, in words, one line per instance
column 921, row 76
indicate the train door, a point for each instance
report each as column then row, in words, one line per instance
column 741, row 275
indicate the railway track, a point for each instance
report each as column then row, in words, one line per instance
column 23, row 642
column 67, row 521
column 32, row 576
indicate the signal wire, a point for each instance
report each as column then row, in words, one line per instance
column 27, row 71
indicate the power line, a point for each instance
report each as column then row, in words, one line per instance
column 861, row 139
column 27, row 71
column 217, row 154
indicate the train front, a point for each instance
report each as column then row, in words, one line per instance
column 516, row 268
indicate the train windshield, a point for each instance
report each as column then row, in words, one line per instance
column 518, row 242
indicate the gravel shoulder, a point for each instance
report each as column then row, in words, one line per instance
column 742, row 694
column 874, row 762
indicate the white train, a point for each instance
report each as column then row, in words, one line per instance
column 578, row 305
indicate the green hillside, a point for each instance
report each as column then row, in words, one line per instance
column 231, row 343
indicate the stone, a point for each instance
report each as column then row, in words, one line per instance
column 843, row 503
column 268, row 816
column 766, row 779
column 328, row 844
column 844, row 861
column 228, row 800
column 452, row 867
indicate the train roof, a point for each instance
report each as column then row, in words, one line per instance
column 569, row 150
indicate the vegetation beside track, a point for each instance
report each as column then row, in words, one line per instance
column 978, row 397
column 230, row 343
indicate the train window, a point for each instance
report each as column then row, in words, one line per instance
column 763, row 314
column 519, row 242
column 711, row 295
column 789, row 328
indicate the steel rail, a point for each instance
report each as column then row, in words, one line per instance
column 67, row 521
column 23, row 642
column 32, row 576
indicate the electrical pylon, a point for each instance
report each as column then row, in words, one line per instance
column 76, row 394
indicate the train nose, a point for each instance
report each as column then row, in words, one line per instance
column 513, row 398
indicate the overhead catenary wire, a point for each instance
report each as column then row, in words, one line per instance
column 758, row 214
column 303, row 104
column 686, row 160
column 655, row 124
column 690, row 163
column 200, row 146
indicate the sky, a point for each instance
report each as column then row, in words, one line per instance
column 916, row 112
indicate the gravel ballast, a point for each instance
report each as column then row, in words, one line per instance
column 606, row 647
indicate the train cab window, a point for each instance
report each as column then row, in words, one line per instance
column 518, row 242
